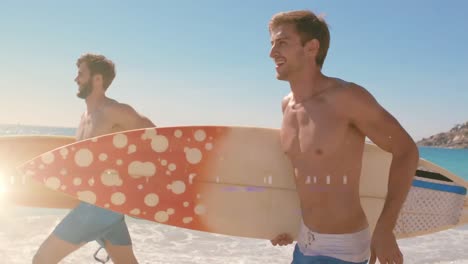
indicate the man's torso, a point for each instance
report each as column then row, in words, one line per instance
column 326, row 152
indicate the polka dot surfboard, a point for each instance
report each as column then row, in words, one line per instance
column 228, row 180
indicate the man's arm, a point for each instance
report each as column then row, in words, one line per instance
column 283, row 239
column 365, row 113
column 127, row 118
column 384, row 130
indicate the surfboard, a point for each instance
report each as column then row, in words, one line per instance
column 228, row 180
column 19, row 190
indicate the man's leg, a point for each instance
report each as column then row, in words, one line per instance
column 65, row 238
column 121, row 254
column 83, row 224
column 118, row 244
column 54, row 249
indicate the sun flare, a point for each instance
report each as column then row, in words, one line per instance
column 2, row 184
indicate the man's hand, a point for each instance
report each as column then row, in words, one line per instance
column 385, row 248
column 282, row 240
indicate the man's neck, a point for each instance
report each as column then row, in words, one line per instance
column 307, row 85
column 94, row 101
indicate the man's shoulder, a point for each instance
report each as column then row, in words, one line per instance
column 350, row 99
column 351, row 92
column 285, row 101
column 127, row 116
column 115, row 107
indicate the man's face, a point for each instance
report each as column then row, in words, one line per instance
column 84, row 81
column 287, row 51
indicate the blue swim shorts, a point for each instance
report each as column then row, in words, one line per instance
column 87, row 222
column 299, row 258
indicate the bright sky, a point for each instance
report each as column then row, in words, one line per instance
column 206, row 61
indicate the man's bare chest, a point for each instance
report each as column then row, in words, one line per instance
column 95, row 125
column 305, row 131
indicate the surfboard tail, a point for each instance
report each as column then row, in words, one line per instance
column 464, row 216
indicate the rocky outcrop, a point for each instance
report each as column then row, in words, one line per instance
column 457, row 137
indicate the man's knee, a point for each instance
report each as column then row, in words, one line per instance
column 53, row 250
column 121, row 254
column 45, row 254
column 41, row 258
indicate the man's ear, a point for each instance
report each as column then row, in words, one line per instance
column 312, row 48
column 97, row 79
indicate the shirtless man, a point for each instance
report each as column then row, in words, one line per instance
column 87, row 222
column 325, row 123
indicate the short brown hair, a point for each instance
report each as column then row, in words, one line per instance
column 99, row 64
column 309, row 26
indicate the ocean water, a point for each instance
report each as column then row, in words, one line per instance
column 454, row 160
column 11, row 129
column 22, row 230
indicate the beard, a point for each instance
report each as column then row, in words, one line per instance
column 85, row 90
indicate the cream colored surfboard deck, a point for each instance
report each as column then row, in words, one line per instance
column 227, row 180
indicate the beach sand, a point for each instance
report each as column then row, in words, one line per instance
column 23, row 230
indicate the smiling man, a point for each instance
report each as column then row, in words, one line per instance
column 325, row 123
